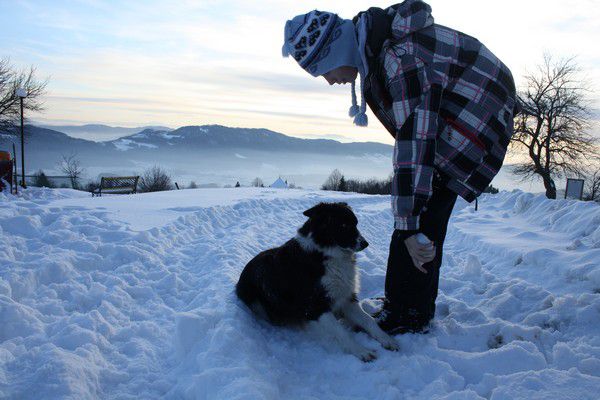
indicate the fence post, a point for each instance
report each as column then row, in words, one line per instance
column 15, row 180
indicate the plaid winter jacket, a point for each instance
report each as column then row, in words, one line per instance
column 446, row 99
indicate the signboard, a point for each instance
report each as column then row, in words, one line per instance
column 574, row 189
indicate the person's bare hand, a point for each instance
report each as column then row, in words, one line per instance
column 420, row 253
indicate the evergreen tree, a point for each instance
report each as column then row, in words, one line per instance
column 41, row 180
column 343, row 186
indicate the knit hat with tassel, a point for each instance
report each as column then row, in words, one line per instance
column 321, row 41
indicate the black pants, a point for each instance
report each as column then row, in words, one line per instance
column 411, row 294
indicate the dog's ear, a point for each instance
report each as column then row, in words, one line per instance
column 311, row 212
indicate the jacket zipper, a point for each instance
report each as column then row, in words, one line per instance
column 469, row 135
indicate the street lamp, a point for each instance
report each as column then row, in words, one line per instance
column 22, row 93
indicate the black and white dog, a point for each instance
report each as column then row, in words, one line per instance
column 313, row 279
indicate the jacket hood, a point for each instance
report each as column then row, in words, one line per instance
column 411, row 16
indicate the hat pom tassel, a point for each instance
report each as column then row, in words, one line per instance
column 361, row 119
column 354, row 109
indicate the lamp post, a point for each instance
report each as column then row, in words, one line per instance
column 22, row 93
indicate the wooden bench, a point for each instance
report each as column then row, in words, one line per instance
column 117, row 185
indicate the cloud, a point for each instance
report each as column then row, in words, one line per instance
column 107, row 100
column 181, row 62
column 289, row 115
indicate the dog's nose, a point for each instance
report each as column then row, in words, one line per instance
column 362, row 243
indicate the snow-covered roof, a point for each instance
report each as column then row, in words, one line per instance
column 279, row 184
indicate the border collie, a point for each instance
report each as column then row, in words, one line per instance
column 313, row 279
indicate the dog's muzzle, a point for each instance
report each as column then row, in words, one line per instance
column 361, row 244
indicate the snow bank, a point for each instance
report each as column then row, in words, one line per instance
column 132, row 297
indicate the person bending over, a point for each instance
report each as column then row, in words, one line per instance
column 449, row 103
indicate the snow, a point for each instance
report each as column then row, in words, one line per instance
column 132, row 297
column 127, row 144
column 145, row 211
column 169, row 135
column 148, row 134
column 279, row 184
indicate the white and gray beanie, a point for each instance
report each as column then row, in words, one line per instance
column 321, row 41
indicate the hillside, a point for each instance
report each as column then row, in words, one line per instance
column 218, row 155
column 208, row 154
column 98, row 132
column 132, row 297
column 190, row 138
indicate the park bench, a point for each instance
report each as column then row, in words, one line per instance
column 117, row 185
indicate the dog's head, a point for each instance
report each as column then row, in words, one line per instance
column 333, row 225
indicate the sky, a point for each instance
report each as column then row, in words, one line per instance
column 136, row 63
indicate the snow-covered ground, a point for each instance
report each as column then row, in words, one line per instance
column 132, row 297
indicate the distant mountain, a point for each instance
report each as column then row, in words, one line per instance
column 198, row 138
column 208, row 154
column 98, row 132
column 45, row 147
column 194, row 138
column 214, row 155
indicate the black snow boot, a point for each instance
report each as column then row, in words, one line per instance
column 398, row 322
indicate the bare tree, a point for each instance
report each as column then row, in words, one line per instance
column 369, row 186
column 71, row 166
column 592, row 190
column 155, row 179
column 333, row 181
column 257, row 182
column 552, row 127
column 193, row 185
column 10, row 106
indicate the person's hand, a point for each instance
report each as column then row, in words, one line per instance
column 421, row 250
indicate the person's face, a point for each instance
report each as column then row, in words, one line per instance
column 341, row 75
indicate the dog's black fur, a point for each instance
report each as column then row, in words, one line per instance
column 285, row 282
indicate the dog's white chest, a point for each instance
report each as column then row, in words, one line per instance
column 341, row 278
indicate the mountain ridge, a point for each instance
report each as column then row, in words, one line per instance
column 97, row 132
column 203, row 137
column 204, row 150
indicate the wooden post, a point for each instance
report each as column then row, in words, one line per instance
column 22, row 148
column 16, row 177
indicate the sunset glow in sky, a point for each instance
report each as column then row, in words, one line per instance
column 134, row 63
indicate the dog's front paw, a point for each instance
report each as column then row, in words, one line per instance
column 390, row 343
column 366, row 355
